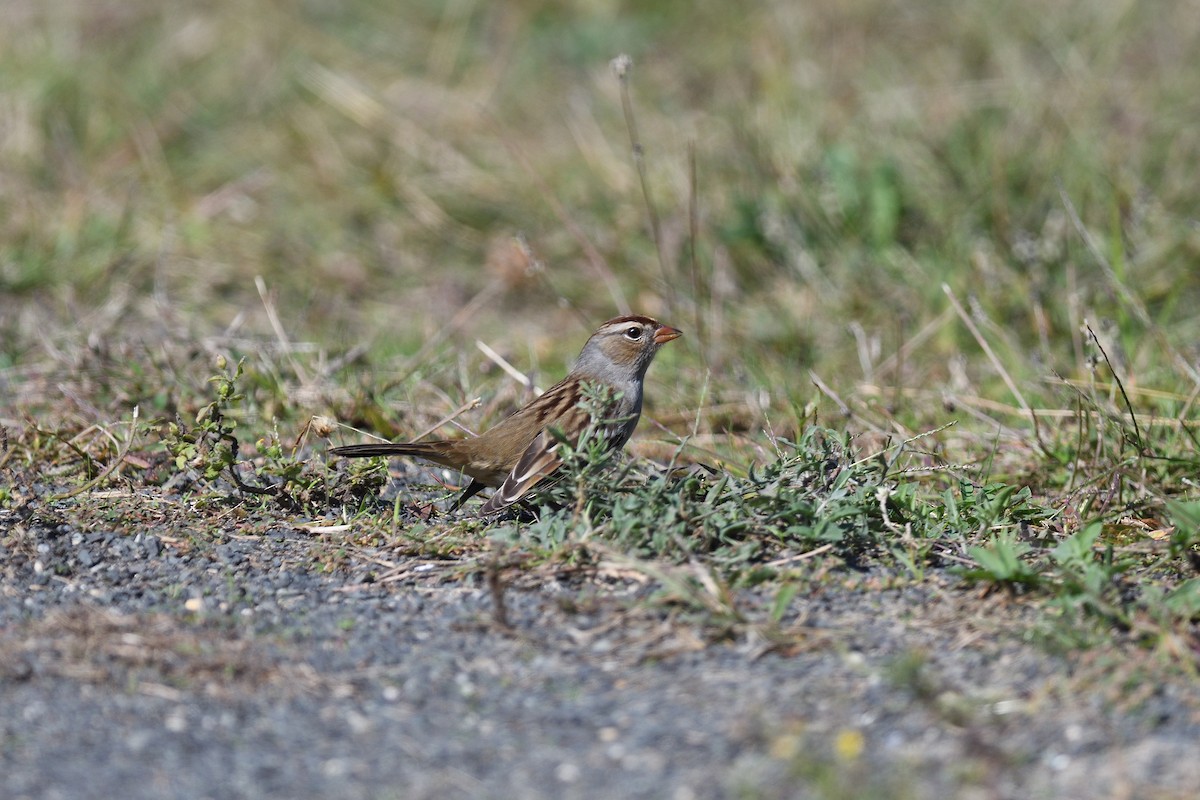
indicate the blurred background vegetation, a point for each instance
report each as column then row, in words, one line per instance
column 417, row 175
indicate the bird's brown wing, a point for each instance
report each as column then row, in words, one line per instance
column 541, row 458
column 538, row 461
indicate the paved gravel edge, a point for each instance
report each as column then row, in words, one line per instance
column 153, row 665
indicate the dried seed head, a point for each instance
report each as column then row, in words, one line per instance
column 621, row 66
column 321, row 426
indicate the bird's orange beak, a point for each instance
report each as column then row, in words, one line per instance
column 666, row 333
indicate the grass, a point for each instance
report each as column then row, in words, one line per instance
column 935, row 268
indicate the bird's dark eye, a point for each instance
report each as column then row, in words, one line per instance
column 633, row 333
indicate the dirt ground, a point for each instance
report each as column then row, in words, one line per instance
column 163, row 663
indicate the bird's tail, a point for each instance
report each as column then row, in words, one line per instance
column 432, row 451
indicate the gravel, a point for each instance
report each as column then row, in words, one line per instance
column 173, row 664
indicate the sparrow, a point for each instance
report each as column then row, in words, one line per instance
column 523, row 449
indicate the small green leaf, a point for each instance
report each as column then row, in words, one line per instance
column 783, row 599
column 1184, row 599
column 1077, row 548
